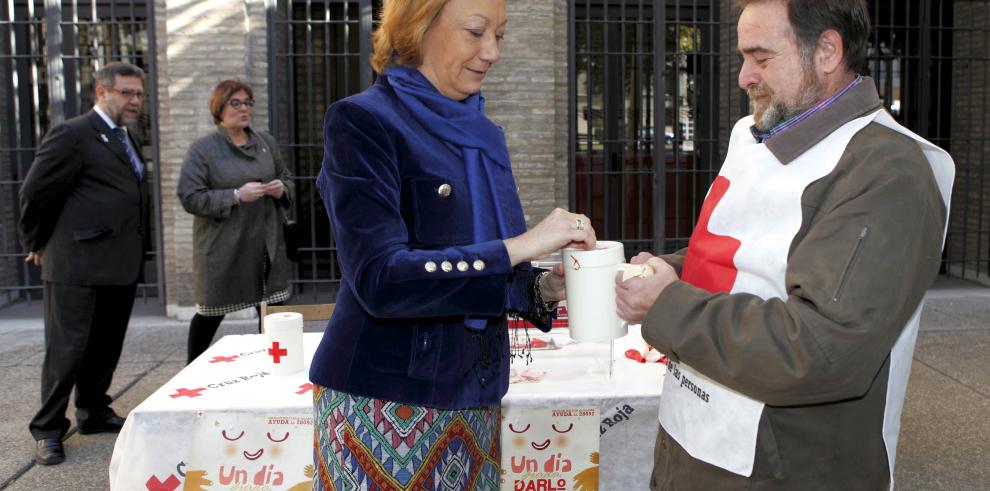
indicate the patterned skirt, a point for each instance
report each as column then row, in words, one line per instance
column 364, row 443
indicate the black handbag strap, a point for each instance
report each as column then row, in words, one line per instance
column 283, row 212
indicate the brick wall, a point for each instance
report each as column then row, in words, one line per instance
column 526, row 93
column 968, row 243
column 191, row 61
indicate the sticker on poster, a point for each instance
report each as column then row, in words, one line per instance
column 550, row 449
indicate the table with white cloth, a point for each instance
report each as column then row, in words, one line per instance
column 224, row 423
column 577, row 375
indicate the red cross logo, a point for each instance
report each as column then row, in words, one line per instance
column 709, row 262
column 153, row 484
column 218, row 359
column 304, row 388
column 277, row 353
column 187, row 393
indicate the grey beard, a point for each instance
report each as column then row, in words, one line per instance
column 777, row 111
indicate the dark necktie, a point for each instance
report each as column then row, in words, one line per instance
column 135, row 162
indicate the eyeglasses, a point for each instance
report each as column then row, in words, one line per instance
column 128, row 93
column 237, row 103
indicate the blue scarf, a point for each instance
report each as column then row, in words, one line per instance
column 463, row 126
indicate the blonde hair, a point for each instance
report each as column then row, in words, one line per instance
column 399, row 36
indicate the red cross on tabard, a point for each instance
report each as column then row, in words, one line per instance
column 709, row 262
column 304, row 388
column 277, row 353
column 187, row 393
column 218, row 359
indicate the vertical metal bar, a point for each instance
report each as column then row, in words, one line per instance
column 308, row 126
column 660, row 117
column 981, row 210
column 270, row 15
column 924, row 67
column 365, row 42
column 290, row 86
column 134, row 23
column 72, row 69
column 588, row 114
column 643, row 209
column 964, row 174
column 155, row 151
column 34, row 59
column 53, row 39
column 95, row 35
column 114, row 29
column 681, row 174
column 622, row 129
column 327, row 59
column 344, row 53
column 15, row 89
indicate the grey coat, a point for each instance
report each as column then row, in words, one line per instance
column 229, row 239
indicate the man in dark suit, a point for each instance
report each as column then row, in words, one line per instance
column 83, row 220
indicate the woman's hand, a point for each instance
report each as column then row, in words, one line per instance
column 552, row 285
column 559, row 229
column 274, row 188
column 251, row 191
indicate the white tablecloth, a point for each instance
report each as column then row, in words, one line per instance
column 224, row 387
column 577, row 375
column 225, row 392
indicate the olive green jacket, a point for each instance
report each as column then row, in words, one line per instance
column 818, row 358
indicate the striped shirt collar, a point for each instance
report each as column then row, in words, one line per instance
column 762, row 137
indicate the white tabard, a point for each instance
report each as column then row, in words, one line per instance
column 759, row 204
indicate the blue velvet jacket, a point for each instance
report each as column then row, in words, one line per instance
column 401, row 212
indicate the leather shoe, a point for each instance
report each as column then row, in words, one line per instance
column 49, row 451
column 105, row 421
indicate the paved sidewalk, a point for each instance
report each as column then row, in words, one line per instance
column 944, row 444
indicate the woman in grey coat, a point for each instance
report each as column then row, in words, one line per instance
column 236, row 183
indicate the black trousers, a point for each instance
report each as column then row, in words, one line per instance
column 202, row 328
column 84, row 335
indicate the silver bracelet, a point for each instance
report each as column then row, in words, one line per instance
column 237, row 196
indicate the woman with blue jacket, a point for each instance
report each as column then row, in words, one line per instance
column 434, row 253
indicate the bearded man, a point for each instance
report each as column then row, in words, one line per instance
column 790, row 318
column 84, row 221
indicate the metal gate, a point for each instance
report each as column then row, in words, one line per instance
column 50, row 51
column 648, row 116
column 319, row 53
column 653, row 97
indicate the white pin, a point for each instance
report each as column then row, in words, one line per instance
column 104, row 138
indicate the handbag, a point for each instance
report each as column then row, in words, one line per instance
column 290, row 229
column 290, row 235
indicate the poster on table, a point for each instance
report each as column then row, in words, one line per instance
column 241, row 451
column 550, row 449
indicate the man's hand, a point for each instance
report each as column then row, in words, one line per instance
column 636, row 296
column 33, row 257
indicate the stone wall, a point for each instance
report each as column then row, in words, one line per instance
column 526, row 93
column 200, row 43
